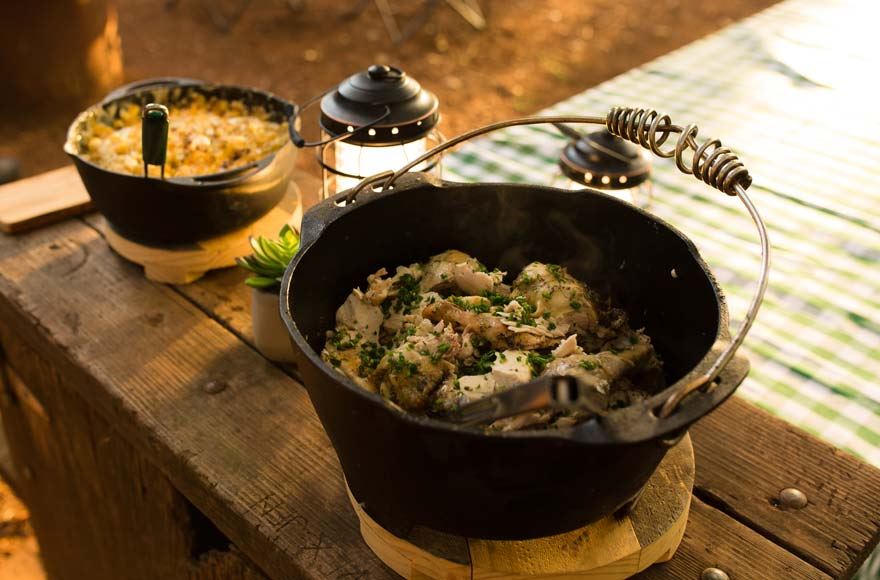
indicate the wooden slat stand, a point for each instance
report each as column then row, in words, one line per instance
column 610, row 549
column 186, row 263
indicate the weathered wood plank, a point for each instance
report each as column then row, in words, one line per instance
column 714, row 540
column 253, row 457
column 745, row 457
column 82, row 478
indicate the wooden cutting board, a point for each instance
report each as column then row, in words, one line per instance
column 36, row 201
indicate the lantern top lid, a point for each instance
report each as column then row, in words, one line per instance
column 386, row 99
column 591, row 157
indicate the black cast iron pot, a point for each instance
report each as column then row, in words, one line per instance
column 184, row 209
column 409, row 470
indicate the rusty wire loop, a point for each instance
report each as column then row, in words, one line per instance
column 710, row 162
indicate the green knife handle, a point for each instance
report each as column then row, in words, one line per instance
column 154, row 135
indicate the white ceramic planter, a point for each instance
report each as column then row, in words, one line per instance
column 270, row 334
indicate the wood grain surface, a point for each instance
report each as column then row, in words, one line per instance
column 41, row 200
column 745, row 457
column 255, row 460
column 82, row 480
column 252, row 457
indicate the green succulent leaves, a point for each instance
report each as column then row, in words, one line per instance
column 270, row 258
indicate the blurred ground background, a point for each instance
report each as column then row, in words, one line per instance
column 534, row 53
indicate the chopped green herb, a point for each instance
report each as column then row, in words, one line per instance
column 588, row 365
column 408, row 294
column 552, row 326
column 442, row 349
column 575, row 305
column 344, row 340
column 480, row 307
column 538, row 362
column 556, row 271
column 482, row 365
column 400, row 364
column 495, row 299
column 370, row 355
column 334, row 361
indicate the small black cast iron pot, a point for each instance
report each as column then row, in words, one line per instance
column 183, row 209
column 408, row 470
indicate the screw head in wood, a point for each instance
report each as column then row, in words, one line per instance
column 792, row 498
column 714, row 574
column 214, row 387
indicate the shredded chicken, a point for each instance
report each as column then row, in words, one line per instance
column 435, row 336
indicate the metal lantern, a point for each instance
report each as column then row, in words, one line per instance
column 599, row 160
column 376, row 120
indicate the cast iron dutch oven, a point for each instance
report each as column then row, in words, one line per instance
column 183, row 209
column 409, row 470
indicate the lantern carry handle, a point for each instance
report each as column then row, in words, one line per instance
column 711, row 163
column 294, row 111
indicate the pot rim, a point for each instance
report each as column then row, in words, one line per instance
column 589, row 432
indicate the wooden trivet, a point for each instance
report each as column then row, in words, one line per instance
column 610, row 549
column 182, row 264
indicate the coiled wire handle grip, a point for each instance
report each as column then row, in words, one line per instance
column 710, row 162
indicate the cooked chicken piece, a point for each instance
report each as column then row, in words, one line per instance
column 410, row 373
column 454, row 269
column 379, row 288
column 343, row 351
column 491, row 327
column 360, row 316
column 510, row 368
column 567, row 347
column 603, row 369
column 555, row 292
column 397, row 321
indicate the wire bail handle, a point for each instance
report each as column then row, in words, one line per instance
column 712, row 163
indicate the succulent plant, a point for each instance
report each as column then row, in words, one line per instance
column 270, row 258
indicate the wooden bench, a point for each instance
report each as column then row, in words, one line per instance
column 150, row 440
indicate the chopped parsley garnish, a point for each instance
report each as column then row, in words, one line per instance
column 344, row 340
column 442, row 349
column 370, row 355
column 588, row 365
column 482, row 365
column 525, row 316
column 334, row 361
column 538, row 362
column 495, row 299
column 575, row 304
column 400, row 364
column 524, row 279
column 480, row 307
column 556, row 271
column 408, row 294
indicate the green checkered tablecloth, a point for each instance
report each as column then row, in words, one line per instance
column 801, row 116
